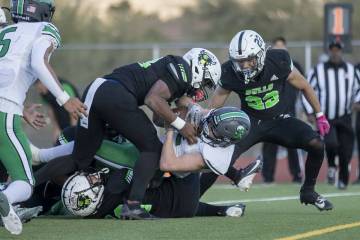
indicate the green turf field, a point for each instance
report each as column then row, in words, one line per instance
column 266, row 217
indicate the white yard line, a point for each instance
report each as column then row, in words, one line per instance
column 284, row 198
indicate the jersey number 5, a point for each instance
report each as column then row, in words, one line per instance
column 5, row 43
column 268, row 101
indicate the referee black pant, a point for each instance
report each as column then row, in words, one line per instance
column 269, row 151
column 340, row 142
column 357, row 131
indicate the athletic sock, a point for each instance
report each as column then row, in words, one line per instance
column 18, row 191
column 48, row 154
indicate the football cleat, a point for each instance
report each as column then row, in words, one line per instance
column 248, row 173
column 135, row 213
column 35, row 155
column 237, row 210
column 313, row 198
column 26, row 214
column 9, row 218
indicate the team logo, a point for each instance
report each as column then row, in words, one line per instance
column 240, row 132
column 205, row 59
column 83, row 201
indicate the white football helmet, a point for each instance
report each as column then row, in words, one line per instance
column 247, row 45
column 83, row 192
column 205, row 68
column 2, row 17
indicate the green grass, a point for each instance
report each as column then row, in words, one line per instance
column 263, row 220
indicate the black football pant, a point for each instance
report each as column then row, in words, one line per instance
column 289, row 132
column 269, row 151
column 112, row 104
column 340, row 142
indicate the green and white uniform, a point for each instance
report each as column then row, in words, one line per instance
column 20, row 48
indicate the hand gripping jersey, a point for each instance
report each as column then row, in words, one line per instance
column 138, row 78
column 266, row 96
column 16, row 73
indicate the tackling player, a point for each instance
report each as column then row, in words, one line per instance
column 258, row 76
column 26, row 47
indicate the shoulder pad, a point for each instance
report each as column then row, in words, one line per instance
column 50, row 30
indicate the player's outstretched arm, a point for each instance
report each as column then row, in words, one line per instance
column 170, row 162
column 219, row 98
column 41, row 52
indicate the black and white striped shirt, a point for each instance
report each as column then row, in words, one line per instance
column 336, row 86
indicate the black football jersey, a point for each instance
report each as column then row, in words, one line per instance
column 138, row 78
column 266, row 96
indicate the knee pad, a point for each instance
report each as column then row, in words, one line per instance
column 316, row 146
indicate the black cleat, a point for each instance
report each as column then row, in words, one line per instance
column 135, row 212
column 248, row 174
column 312, row 197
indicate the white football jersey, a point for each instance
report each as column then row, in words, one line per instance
column 217, row 159
column 16, row 74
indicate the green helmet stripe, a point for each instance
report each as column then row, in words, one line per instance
column 20, row 7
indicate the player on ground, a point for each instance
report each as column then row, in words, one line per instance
column 26, row 47
column 115, row 100
column 258, row 76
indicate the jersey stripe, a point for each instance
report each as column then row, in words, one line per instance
column 52, row 31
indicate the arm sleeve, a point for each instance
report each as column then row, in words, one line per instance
column 38, row 64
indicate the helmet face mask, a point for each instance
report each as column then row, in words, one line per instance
column 224, row 126
column 32, row 10
column 247, row 52
column 205, row 69
column 83, row 192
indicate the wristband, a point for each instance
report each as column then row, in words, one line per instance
column 319, row 114
column 178, row 123
column 63, row 98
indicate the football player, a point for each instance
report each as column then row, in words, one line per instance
column 122, row 157
column 115, row 100
column 26, row 47
column 258, row 76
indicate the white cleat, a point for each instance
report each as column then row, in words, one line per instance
column 237, row 210
column 248, row 174
column 35, row 155
column 9, row 218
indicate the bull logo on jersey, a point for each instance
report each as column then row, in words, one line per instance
column 205, row 59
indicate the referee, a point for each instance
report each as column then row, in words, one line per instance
column 336, row 84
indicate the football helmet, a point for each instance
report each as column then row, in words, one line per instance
column 245, row 46
column 32, row 10
column 205, row 71
column 83, row 192
column 224, row 126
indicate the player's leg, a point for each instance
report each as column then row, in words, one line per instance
column 16, row 157
column 269, row 151
column 331, row 147
column 346, row 147
column 301, row 135
column 357, row 132
column 132, row 123
column 208, row 210
column 255, row 135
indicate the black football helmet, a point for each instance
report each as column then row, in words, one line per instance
column 32, row 10
column 224, row 126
